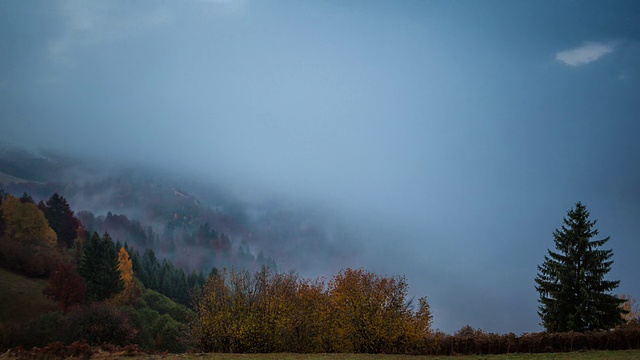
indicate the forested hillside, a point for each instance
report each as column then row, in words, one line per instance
column 146, row 209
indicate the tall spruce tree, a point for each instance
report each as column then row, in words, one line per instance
column 574, row 294
column 99, row 268
column 61, row 219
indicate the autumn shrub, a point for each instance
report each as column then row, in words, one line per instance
column 28, row 259
column 55, row 350
column 621, row 338
column 168, row 335
column 58, row 350
column 164, row 305
column 357, row 311
column 99, row 323
column 66, row 287
column 156, row 331
column 29, row 244
column 37, row 332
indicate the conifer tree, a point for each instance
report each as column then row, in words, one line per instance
column 574, row 294
column 99, row 268
column 61, row 219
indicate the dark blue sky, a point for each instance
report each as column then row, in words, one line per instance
column 455, row 134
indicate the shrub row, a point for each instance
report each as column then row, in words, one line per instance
column 75, row 350
column 478, row 342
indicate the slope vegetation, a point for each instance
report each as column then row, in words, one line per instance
column 21, row 297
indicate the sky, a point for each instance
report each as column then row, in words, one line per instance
column 455, row 135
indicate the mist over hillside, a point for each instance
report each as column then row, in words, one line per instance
column 147, row 208
column 439, row 140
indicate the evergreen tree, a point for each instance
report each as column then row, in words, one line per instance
column 574, row 294
column 26, row 198
column 151, row 269
column 61, row 219
column 99, row 268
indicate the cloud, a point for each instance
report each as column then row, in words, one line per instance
column 87, row 23
column 229, row 6
column 584, row 54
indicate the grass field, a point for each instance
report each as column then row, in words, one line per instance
column 587, row 355
column 21, row 297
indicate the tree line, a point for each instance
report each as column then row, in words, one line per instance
column 41, row 236
column 356, row 311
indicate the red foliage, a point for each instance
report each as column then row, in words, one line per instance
column 66, row 287
column 56, row 350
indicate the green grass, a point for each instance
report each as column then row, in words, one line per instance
column 586, row 355
column 21, row 297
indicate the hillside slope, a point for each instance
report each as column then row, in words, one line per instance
column 21, row 297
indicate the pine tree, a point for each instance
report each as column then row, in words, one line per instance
column 574, row 294
column 99, row 268
column 61, row 219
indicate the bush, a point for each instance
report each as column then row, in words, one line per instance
column 38, row 332
column 158, row 332
column 99, row 323
column 28, row 259
column 469, row 341
column 164, row 305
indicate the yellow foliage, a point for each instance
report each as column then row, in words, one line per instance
column 131, row 292
column 371, row 312
column 27, row 224
column 125, row 266
column 632, row 308
column 270, row 312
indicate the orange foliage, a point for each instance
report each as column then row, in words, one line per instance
column 372, row 314
column 357, row 311
column 28, row 244
column 26, row 223
column 125, row 266
column 631, row 307
column 131, row 292
column 66, row 287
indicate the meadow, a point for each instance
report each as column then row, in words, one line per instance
column 21, row 298
column 586, row 355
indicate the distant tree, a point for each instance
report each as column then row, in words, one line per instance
column 151, row 268
column 29, row 244
column 125, row 267
column 61, row 219
column 574, row 294
column 26, row 198
column 26, row 223
column 131, row 291
column 99, row 268
column 631, row 308
column 66, row 287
